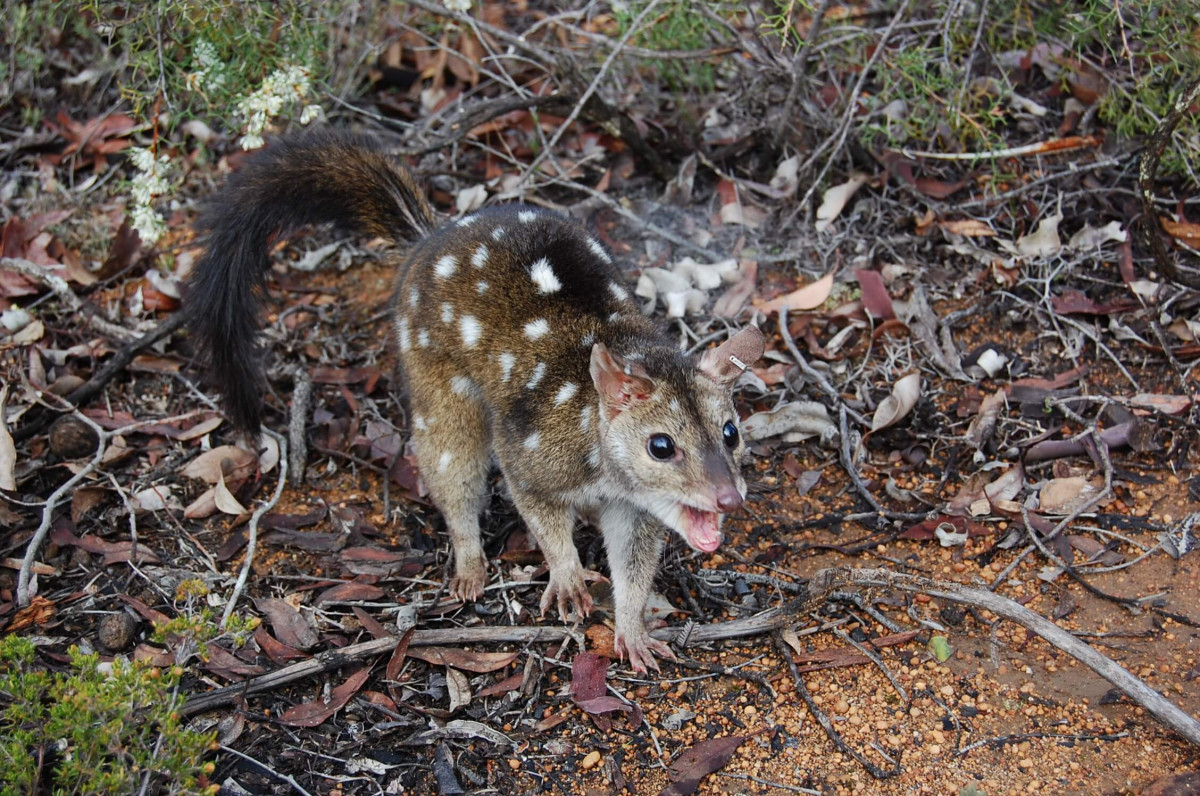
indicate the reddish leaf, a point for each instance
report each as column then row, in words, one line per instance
column 698, row 762
column 874, row 294
column 344, row 592
column 924, row 530
column 310, row 714
column 464, row 659
column 508, row 684
column 279, row 653
column 291, row 626
column 395, row 664
column 588, row 671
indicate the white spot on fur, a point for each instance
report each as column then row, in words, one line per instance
column 419, row 423
column 423, row 338
column 444, row 461
column 532, row 441
column 446, row 266
column 481, row 286
column 535, row 329
column 585, row 418
column 589, row 339
column 619, row 292
column 497, row 233
column 594, row 457
column 525, row 216
column 599, row 251
column 480, row 257
column 539, row 370
column 447, row 312
column 414, row 297
column 565, row 393
column 405, row 337
column 467, row 221
column 507, row 361
column 674, row 405
column 614, row 317
column 470, row 329
column 544, row 277
column 461, row 385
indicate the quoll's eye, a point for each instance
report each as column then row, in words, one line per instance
column 661, row 447
column 730, row 433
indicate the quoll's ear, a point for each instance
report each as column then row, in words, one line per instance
column 721, row 364
column 621, row 384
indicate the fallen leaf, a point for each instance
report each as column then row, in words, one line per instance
column 292, row 627
column 808, row 297
column 1044, row 241
column 794, row 421
column 730, row 303
column 310, row 714
column 894, row 408
column 459, row 689
column 875, row 296
column 226, row 461
column 479, row 662
column 1065, row 495
column 8, row 451
column 835, row 199
column 968, row 228
column 698, row 761
column 1090, row 237
column 1185, row 231
column 224, row 499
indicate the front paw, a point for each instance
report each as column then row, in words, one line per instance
column 468, row 581
column 641, row 648
column 570, row 589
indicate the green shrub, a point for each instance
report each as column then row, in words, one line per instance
column 94, row 729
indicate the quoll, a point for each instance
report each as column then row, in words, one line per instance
column 519, row 344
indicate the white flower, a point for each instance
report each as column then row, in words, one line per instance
column 311, row 113
column 461, row 6
column 142, row 158
column 148, row 224
column 252, row 141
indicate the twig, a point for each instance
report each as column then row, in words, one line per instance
column 289, row 779
column 297, row 423
column 39, row 536
column 1153, row 702
column 95, row 385
column 851, row 108
column 58, row 286
column 591, row 89
column 1148, row 173
column 800, row 70
column 252, row 527
column 824, row 721
column 1028, row 736
column 1040, row 148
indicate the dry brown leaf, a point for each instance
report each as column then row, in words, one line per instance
column 8, row 451
column 835, row 199
column 1185, row 231
column 459, row 688
column 808, row 297
column 210, row 466
column 225, row 500
column 894, row 408
column 1043, row 241
column 968, row 228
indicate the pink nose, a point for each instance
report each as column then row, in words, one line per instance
column 728, row 499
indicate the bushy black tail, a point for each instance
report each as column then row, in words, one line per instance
column 316, row 177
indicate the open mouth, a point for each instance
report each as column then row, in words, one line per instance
column 702, row 529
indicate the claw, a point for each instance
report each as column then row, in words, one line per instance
column 570, row 589
column 641, row 649
column 468, row 582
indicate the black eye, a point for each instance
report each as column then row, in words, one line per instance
column 730, row 433
column 661, row 447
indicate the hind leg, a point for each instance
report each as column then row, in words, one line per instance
column 451, row 436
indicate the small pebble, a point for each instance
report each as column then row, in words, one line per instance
column 590, row 761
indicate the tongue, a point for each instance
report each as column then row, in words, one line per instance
column 701, row 529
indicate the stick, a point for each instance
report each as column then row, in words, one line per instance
column 1147, row 173
column 58, row 286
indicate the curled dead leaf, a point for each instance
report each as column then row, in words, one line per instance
column 894, row 408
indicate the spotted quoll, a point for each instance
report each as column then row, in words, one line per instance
column 521, row 345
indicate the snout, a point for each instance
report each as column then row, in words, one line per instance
column 729, row 499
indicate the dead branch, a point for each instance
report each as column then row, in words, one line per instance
column 58, row 286
column 1156, row 704
column 252, row 528
column 1148, row 173
column 95, row 385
